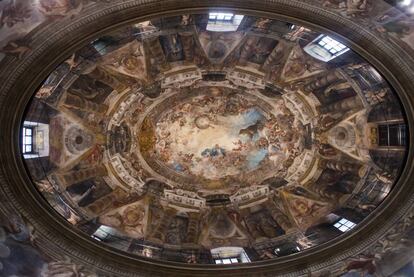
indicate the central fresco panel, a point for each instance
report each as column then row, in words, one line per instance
column 222, row 139
column 214, row 138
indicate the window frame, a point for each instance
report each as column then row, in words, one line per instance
column 321, row 48
column 215, row 17
column 32, row 139
column 223, row 21
column 228, row 260
column 329, row 43
column 344, row 225
column 387, row 141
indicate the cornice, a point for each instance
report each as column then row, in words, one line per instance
column 55, row 42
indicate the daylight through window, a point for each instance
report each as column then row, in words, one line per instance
column 344, row 225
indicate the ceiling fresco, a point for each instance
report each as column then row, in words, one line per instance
column 168, row 140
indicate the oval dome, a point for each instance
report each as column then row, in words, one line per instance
column 215, row 138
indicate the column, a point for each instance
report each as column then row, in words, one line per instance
column 77, row 176
column 343, row 167
column 188, row 45
column 192, row 230
column 342, row 106
column 281, row 219
column 252, row 227
column 108, row 202
column 161, row 229
column 156, row 50
column 321, row 82
column 276, row 54
column 106, row 78
column 248, row 48
column 74, row 101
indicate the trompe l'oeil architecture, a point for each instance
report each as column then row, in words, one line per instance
column 210, row 140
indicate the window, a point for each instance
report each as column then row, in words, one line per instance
column 344, row 225
column 28, row 140
column 229, row 255
column 333, row 46
column 325, row 48
column 223, row 21
column 392, row 135
column 35, row 140
column 227, row 261
column 214, row 17
column 102, row 233
column 376, row 191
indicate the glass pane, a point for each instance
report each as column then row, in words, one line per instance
column 349, row 224
column 343, row 228
column 28, row 140
column 28, row 148
column 403, row 134
column 234, row 261
column 226, row 261
column 219, row 262
column 383, row 135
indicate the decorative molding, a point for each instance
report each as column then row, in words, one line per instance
column 53, row 43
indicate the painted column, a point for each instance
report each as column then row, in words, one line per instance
column 278, row 216
column 76, row 176
column 188, row 45
column 161, row 229
column 74, row 101
column 99, row 74
column 321, row 82
column 342, row 106
column 343, row 167
column 248, row 48
column 192, row 230
column 156, row 50
column 276, row 55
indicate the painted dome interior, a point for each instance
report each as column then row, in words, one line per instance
column 214, row 138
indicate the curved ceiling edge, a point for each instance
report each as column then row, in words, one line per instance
column 399, row 81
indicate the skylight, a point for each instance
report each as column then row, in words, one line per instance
column 331, row 45
column 229, row 255
column 227, row 261
column 223, row 21
column 102, row 233
column 325, row 48
column 28, row 140
column 221, row 16
column 344, row 225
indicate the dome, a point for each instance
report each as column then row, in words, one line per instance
column 177, row 136
column 198, row 138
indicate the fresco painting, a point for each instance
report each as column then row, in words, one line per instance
column 157, row 128
column 228, row 136
column 188, row 139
